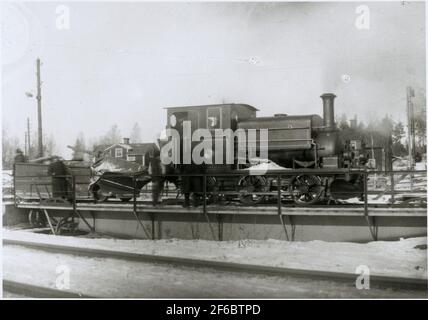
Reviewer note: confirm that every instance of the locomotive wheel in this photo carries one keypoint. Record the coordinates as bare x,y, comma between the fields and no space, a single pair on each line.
250,184
306,189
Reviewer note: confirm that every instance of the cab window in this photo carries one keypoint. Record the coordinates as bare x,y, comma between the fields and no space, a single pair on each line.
214,118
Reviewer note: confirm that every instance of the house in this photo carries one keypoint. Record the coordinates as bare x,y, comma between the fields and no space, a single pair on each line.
134,152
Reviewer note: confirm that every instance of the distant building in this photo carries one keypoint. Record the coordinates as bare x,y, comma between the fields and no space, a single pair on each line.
134,152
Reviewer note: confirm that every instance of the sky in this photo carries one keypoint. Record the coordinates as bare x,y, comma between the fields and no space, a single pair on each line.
121,63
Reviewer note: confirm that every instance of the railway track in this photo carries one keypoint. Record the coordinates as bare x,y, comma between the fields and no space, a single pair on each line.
376,281
34,291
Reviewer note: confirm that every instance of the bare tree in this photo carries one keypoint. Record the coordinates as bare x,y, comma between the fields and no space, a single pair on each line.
9,146
79,146
343,122
398,134
49,145
112,136
135,135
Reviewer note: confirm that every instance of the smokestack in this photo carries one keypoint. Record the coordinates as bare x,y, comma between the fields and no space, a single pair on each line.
328,110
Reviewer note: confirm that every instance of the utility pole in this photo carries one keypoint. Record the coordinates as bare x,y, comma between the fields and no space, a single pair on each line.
39,109
411,133
26,149
410,126
28,138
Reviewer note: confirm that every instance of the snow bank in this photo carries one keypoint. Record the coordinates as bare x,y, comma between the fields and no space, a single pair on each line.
392,258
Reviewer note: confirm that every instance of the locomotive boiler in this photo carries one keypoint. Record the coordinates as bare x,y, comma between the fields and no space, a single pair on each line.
301,140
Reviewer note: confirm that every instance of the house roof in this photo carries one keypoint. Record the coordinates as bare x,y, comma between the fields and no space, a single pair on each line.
125,146
100,147
132,148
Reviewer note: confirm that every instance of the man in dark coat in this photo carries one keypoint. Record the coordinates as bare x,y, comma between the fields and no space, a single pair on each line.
155,170
19,157
192,184
59,172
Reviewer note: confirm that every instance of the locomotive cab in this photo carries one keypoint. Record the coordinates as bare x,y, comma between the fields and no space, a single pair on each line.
214,118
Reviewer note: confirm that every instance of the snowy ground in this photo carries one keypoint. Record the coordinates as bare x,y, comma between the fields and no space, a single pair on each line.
404,258
7,183
105,277
402,182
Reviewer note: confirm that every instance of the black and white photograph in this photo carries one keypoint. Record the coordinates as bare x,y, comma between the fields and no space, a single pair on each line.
212,151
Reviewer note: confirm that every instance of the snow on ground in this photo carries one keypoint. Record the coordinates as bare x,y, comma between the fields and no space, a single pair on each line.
392,258
114,278
421,166
402,182
7,182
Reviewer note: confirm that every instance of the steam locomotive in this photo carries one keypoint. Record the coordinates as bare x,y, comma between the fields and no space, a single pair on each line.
314,164
304,160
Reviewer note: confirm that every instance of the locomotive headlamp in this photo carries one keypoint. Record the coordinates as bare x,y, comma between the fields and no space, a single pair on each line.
173,120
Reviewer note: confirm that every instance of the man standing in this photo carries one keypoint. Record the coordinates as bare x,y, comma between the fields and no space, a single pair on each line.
20,157
192,184
157,180
58,171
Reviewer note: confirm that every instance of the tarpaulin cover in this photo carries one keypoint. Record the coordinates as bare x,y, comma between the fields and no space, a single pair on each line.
109,164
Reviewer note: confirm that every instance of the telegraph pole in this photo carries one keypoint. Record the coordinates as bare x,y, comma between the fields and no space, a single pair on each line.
39,109
26,148
28,138
411,126
411,133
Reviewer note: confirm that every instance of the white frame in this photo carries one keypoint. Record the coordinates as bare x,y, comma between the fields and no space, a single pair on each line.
116,153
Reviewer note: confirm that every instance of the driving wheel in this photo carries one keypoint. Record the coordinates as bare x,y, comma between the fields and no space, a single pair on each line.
248,188
306,189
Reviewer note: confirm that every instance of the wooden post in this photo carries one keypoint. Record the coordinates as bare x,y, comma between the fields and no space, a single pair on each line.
279,207
205,194
366,210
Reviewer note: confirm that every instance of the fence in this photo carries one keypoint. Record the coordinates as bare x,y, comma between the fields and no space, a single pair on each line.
395,187
387,185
